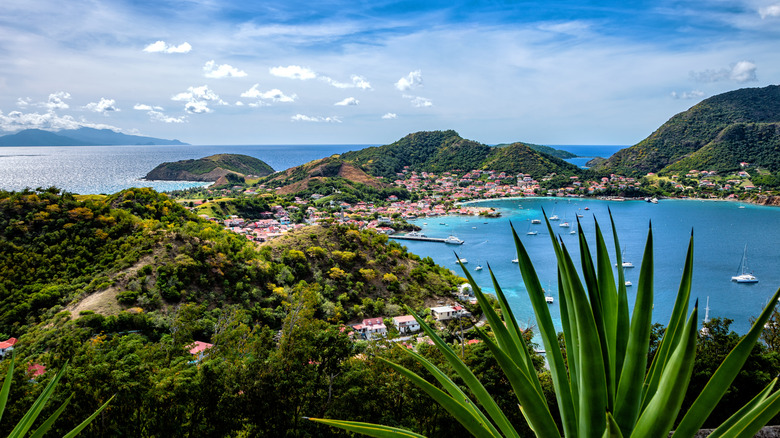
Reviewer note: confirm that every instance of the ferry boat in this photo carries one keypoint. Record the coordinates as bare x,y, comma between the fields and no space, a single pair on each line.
452,240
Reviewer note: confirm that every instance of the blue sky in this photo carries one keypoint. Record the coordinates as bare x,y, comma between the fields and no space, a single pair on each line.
343,72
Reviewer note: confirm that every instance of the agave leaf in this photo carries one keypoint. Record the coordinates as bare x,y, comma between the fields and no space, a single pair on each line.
612,430
758,399
629,395
655,419
591,374
507,331
7,384
479,391
753,421
609,303
674,329
534,405
456,408
32,414
558,370
596,304
724,375
86,422
623,323
453,390
43,428
374,430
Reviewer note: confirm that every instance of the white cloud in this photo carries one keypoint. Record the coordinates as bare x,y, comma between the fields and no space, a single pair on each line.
412,80
304,118
742,71
163,47
57,101
694,94
274,95
17,120
157,116
211,70
145,107
357,82
347,102
419,102
104,106
770,11
239,103
197,99
390,116
293,72
24,102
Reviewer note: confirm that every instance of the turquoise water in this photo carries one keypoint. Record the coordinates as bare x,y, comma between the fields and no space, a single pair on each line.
721,230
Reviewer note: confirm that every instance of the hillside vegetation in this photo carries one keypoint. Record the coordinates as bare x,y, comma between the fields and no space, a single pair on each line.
716,134
429,151
210,168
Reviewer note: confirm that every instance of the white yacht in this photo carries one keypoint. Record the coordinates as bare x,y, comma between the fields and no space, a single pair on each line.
536,221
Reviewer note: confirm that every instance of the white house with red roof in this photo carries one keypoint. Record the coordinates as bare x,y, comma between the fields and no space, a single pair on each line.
406,324
371,328
7,346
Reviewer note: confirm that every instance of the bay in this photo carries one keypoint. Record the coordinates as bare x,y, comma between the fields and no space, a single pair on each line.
722,229
109,169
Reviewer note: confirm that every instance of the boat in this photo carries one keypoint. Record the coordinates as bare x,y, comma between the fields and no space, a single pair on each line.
415,234
704,330
536,221
654,201
548,299
580,215
743,276
461,260
515,261
629,284
573,231
554,217
452,240
478,268
531,233
473,228
587,208
625,264
564,225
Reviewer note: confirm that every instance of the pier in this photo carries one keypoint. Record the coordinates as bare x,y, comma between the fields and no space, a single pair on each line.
421,239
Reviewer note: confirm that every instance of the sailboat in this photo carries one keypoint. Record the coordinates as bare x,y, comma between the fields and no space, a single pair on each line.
743,276
531,233
704,330
565,223
625,264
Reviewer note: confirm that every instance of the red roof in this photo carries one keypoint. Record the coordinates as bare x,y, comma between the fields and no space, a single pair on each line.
9,343
199,346
36,369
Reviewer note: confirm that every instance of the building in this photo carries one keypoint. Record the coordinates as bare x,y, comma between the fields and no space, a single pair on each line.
7,346
199,349
406,324
371,328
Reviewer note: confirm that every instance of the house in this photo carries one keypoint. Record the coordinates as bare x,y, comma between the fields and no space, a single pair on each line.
199,349
35,370
371,328
443,313
7,346
406,324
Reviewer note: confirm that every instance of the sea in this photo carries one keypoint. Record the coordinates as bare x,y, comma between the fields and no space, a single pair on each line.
721,229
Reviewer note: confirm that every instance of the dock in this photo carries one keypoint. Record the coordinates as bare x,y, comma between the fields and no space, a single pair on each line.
420,239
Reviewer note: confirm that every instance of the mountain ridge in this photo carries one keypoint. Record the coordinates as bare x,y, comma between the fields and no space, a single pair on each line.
81,137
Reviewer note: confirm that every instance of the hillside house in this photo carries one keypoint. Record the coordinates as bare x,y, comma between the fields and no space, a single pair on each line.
7,346
371,328
406,324
199,349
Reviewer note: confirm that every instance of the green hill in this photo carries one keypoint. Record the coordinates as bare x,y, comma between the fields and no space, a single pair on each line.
716,134
559,153
441,151
210,168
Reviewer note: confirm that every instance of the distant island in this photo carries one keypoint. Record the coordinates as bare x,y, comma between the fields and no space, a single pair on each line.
80,137
212,168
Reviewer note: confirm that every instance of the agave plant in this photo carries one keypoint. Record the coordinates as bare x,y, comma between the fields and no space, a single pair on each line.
603,387
32,414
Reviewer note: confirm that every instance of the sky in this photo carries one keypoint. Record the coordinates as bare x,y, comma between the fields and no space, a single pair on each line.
370,72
